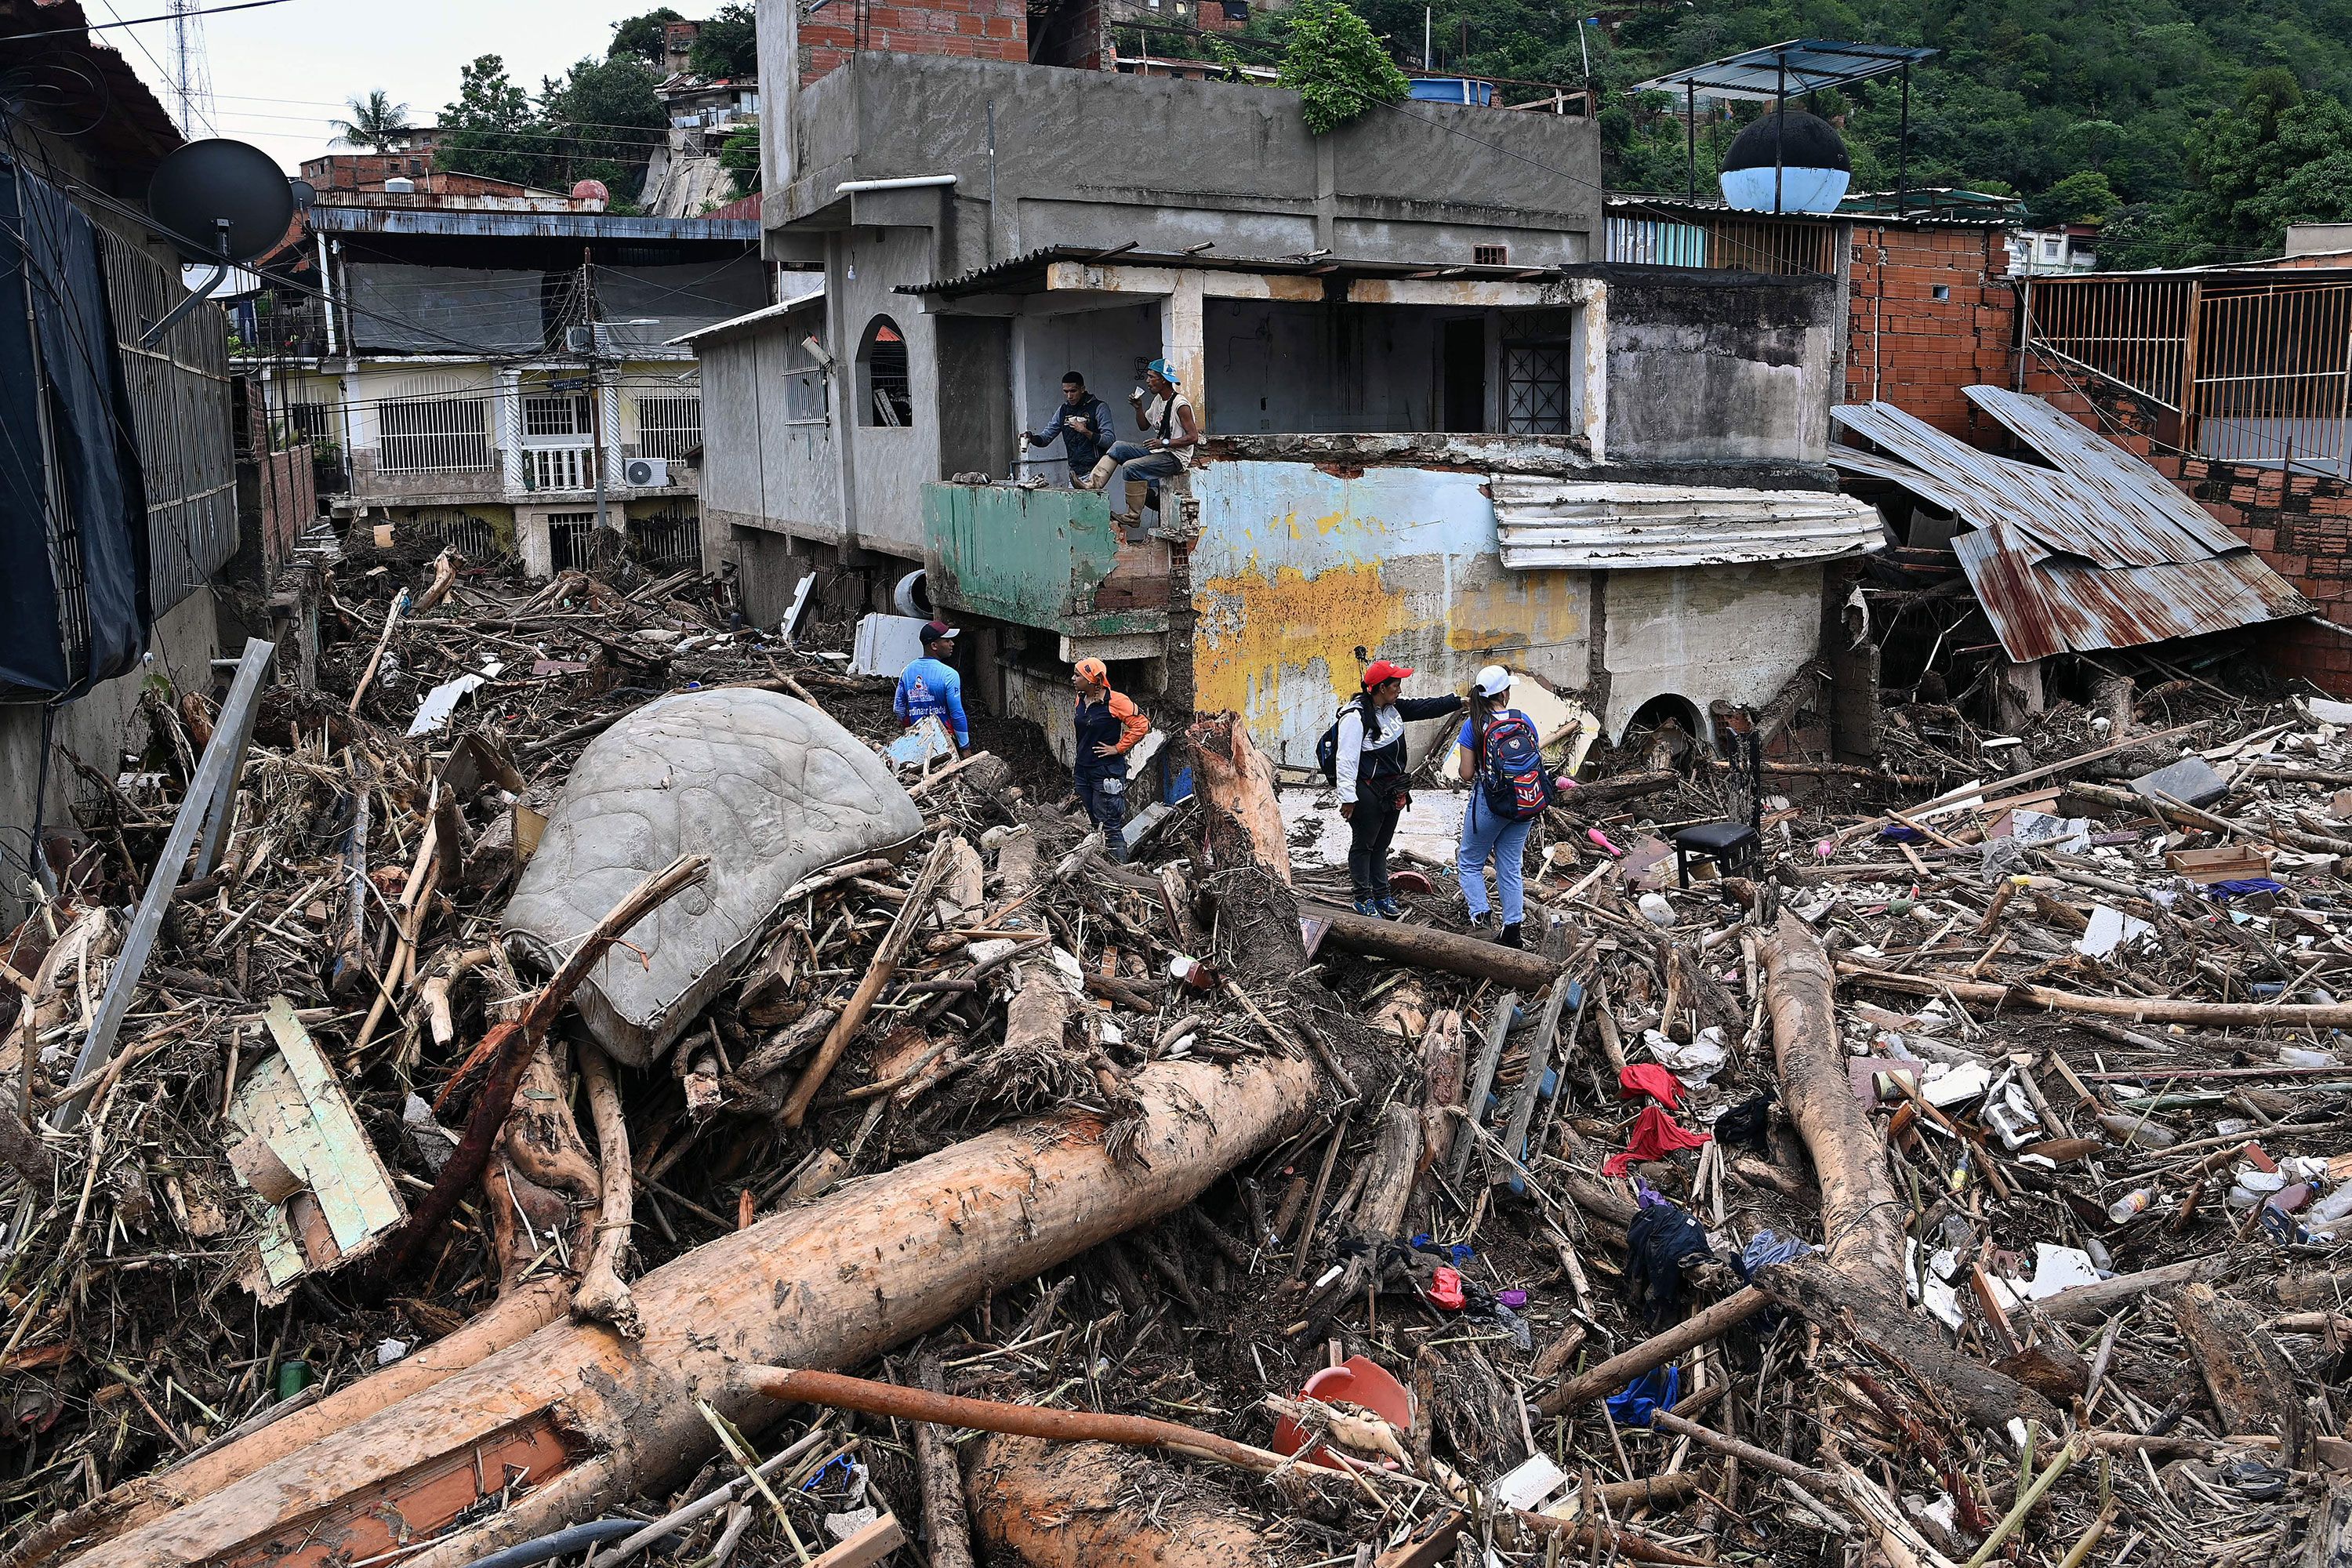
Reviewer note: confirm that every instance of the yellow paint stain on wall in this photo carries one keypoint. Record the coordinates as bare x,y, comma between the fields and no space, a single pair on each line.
1517,610
1252,629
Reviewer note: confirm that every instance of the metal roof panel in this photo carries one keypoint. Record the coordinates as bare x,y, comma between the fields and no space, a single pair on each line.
1546,523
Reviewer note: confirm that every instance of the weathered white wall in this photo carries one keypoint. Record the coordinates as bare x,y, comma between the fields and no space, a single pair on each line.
1297,569
1734,634
761,469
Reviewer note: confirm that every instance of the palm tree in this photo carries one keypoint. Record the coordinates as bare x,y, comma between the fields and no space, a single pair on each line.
376,123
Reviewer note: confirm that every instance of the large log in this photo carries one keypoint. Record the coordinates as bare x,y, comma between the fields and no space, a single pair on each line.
1073,1505
515,1318
2140,1009
1436,948
1857,1283
588,1417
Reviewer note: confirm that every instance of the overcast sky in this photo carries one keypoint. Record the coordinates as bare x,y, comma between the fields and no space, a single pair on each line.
280,73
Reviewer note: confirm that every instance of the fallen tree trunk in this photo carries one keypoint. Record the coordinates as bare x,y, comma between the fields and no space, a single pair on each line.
1609,1377
2092,1303
601,1297
1857,1281
1070,1505
2145,1009
588,1417
1528,972
515,1318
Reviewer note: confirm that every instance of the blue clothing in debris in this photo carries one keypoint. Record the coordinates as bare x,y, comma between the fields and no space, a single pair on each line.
2245,886
1766,1247
1654,1391
928,689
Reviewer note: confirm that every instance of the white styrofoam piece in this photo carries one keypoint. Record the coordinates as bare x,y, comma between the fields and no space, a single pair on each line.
886,644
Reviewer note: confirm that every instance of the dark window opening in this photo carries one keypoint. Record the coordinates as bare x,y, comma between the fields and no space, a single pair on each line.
1942,291
1464,373
1536,400
1490,255
885,393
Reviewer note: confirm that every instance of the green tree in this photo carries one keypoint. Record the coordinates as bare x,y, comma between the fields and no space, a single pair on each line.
491,130
376,123
606,119
728,44
2084,197
739,156
1337,65
641,36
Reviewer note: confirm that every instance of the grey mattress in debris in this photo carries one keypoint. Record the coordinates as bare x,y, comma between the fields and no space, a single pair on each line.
767,787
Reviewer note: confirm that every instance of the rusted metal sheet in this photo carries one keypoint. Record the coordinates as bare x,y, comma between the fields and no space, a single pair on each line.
326,219
1551,523
2098,551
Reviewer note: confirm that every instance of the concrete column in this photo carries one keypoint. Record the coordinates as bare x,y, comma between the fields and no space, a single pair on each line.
1593,394
534,543
506,429
1183,346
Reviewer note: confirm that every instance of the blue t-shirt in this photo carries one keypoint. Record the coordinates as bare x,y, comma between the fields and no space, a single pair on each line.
1468,738
926,688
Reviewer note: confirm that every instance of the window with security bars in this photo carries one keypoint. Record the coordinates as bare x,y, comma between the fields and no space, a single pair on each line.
803,382
432,435
1536,389
668,426
573,540
310,422
558,413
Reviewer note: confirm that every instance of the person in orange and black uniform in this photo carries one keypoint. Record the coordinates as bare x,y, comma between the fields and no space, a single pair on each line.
1108,726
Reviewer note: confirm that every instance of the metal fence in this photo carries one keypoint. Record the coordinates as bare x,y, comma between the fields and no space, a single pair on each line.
1698,236
180,406
434,434
2256,369
668,426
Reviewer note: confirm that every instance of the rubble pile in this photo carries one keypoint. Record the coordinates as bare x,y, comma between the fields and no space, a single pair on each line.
1958,1177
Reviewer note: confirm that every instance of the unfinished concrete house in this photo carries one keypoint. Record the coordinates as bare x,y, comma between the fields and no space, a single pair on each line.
1444,427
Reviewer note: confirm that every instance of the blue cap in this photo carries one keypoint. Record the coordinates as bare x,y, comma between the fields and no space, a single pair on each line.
1159,368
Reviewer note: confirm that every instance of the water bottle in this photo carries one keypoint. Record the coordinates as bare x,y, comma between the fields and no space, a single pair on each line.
2130,1204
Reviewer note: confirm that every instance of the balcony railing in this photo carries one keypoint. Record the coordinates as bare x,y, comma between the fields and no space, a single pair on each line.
1045,558
559,467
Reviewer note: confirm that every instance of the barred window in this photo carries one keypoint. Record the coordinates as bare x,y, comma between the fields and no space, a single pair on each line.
668,426
429,434
311,421
558,413
803,382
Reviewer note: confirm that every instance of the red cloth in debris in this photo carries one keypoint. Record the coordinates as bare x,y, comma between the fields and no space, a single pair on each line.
1656,1136
1446,1290
1653,1080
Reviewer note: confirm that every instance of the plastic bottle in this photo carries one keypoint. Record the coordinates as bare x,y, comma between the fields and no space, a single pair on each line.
2304,1057
2334,1206
2130,1204
2140,1132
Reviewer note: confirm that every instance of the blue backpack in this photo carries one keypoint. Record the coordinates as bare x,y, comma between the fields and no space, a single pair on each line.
1511,772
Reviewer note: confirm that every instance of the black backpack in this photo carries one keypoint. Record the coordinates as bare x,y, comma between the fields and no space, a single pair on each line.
1327,750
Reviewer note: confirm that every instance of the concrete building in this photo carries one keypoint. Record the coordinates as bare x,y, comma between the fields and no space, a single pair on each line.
2069,247
106,588
494,367
1446,427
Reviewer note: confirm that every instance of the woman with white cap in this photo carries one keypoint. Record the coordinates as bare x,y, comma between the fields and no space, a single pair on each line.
1502,760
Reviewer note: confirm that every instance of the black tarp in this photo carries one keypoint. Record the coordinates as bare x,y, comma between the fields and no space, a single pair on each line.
445,309
641,307
73,527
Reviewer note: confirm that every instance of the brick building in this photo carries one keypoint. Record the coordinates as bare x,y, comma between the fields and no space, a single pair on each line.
1932,311
960,29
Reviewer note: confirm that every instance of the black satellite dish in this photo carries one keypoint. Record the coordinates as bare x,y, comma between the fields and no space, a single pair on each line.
220,200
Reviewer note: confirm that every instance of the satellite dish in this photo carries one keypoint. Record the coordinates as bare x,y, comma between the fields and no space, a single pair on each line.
221,200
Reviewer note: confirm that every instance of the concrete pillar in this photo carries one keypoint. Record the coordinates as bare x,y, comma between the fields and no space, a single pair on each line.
534,543
506,428
1593,394
1182,343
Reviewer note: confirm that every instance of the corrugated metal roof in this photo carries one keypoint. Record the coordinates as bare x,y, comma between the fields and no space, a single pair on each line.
1792,68
528,226
749,319
2100,551
997,273
1548,522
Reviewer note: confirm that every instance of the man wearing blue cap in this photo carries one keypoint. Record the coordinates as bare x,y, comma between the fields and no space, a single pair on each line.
1172,432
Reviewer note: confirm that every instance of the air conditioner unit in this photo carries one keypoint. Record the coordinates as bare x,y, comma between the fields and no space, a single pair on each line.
646,473
580,340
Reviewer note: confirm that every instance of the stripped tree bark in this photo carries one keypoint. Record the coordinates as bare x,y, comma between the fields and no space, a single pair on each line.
1067,1506
510,1048
602,1298
1858,1279
947,1531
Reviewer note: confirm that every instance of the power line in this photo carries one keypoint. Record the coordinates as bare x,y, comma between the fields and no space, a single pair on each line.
136,21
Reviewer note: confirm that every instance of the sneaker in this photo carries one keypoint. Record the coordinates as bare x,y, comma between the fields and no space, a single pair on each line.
1510,936
1388,909
1368,908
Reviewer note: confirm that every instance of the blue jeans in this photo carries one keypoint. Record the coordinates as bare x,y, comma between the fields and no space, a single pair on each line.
1140,462
1106,804
1486,836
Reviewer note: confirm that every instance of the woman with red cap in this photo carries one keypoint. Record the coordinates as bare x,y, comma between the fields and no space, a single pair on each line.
1370,773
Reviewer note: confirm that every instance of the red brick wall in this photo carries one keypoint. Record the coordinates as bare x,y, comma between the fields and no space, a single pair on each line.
1908,348
2300,523
966,29
368,172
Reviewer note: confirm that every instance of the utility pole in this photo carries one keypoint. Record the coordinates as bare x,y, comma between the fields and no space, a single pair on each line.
595,389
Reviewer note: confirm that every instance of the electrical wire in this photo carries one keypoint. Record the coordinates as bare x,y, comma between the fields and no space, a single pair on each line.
138,21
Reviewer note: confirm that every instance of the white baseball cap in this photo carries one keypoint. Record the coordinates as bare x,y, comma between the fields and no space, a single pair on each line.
1492,680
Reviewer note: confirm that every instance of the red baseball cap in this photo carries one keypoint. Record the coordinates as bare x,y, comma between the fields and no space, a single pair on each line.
1381,669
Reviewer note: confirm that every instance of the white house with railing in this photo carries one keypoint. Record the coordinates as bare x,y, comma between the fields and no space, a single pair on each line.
503,406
